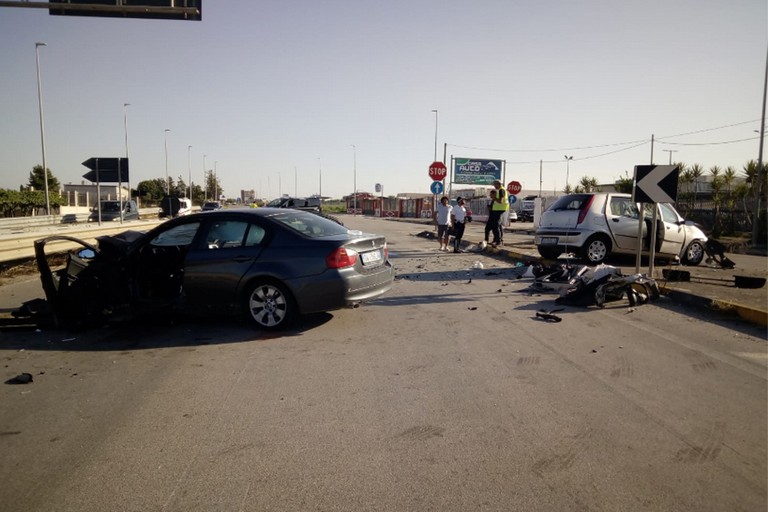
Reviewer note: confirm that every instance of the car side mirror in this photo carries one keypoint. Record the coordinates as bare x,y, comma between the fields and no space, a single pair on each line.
86,254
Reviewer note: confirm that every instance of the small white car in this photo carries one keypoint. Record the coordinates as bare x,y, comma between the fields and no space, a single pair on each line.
595,225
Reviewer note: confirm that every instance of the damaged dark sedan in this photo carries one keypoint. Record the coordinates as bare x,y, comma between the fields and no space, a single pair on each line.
272,265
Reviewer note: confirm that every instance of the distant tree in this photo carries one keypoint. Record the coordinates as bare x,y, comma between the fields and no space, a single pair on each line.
625,184
697,171
717,196
151,191
37,180
587,184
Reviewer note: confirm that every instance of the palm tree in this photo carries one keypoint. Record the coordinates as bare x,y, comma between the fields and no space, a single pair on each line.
697,171
717,186
729,176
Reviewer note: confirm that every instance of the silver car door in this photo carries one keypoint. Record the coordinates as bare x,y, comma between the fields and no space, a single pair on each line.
621,213
673,234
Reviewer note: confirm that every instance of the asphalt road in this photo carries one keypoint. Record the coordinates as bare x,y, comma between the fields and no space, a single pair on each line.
446,394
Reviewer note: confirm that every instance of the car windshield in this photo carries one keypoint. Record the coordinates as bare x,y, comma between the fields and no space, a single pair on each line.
309,224
570,202
110,206
276,203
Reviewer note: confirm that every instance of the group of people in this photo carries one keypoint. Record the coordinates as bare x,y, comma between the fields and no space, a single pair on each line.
452,220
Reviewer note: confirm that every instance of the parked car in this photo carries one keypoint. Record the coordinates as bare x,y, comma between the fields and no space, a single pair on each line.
300,203
512,215
110,211
210,206
271,264
595,225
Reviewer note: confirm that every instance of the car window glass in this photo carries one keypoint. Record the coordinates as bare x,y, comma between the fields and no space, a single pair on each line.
177,235
225,234
309,224
255,235
623,206
668,214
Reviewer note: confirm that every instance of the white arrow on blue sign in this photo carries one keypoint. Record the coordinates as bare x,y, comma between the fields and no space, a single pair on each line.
655,183
436,187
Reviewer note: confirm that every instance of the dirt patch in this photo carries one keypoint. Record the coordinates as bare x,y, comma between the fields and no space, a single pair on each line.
22,270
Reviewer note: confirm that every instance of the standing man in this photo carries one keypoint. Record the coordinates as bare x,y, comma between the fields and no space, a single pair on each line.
499,205
458,218
443,220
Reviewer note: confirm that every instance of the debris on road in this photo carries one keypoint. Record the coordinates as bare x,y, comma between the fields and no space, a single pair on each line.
22,378
548,315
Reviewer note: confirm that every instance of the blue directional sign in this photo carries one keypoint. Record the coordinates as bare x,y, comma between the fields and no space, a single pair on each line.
436,187
512,199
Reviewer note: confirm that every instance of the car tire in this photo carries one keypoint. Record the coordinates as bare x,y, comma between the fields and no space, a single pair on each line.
269,306
596,250
549,253
694,254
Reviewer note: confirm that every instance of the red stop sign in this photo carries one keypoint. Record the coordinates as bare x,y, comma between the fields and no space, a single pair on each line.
438,171
514,187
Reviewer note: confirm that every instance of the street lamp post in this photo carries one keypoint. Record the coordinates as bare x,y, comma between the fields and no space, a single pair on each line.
205,181
215,182
354,179
42,129
670,151
167,183
320,182
125,131
567,172
435,160
189,170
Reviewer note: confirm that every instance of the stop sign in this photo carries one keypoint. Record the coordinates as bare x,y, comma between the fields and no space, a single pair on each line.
514,187
438,171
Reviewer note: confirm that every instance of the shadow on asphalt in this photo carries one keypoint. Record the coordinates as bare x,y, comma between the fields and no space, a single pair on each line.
147,334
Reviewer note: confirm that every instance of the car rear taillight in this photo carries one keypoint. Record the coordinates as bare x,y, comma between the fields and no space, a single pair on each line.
385,251
584,210
341,258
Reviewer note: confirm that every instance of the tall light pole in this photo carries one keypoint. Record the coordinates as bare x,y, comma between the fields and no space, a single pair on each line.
320,183
435,111
167,183
189,170
567,172
125,131
205,181
760,167
42,129
354,178
215,180
670,151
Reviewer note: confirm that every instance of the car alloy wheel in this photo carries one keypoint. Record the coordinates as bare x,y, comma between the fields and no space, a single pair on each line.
694,254
270,306
596,249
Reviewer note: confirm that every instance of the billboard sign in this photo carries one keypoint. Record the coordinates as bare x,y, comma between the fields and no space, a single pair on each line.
476,171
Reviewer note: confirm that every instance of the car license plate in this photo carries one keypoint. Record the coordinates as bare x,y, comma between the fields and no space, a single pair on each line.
371,257
548,240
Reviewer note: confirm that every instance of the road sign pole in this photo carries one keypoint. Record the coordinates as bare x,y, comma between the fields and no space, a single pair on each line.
652,234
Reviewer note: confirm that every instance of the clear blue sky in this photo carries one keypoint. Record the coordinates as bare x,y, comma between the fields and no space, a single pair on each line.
281,88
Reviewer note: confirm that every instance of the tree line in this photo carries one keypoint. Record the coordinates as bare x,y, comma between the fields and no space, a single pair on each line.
30,198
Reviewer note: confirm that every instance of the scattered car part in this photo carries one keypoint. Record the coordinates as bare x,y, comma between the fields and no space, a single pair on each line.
738,281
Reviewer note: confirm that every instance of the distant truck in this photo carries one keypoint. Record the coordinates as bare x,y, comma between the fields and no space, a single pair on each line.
175,206
526,209
111,210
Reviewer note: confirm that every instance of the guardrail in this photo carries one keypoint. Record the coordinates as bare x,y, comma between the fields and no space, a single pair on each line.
19,245
24,223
